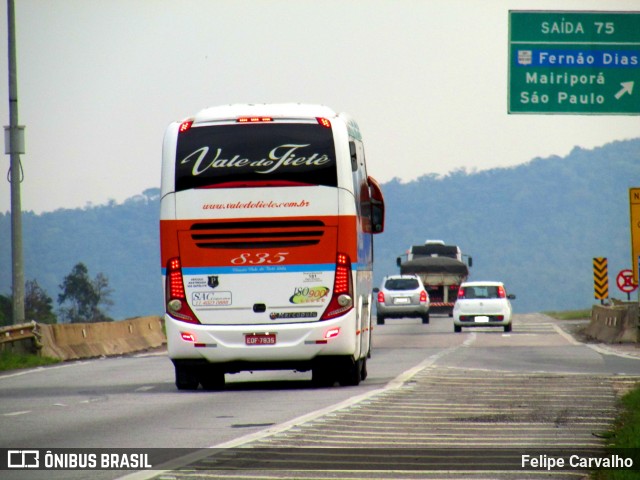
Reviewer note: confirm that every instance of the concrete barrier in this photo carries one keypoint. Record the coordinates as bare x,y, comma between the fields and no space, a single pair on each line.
614,324
72,341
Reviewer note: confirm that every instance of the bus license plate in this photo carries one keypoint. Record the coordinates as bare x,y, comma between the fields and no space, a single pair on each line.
260,339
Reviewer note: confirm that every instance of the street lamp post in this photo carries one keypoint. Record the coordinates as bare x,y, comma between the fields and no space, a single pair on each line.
14,148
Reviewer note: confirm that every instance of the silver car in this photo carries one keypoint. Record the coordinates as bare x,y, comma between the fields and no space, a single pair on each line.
402,296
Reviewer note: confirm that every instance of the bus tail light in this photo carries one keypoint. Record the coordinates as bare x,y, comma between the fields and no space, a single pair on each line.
254,119
188,337
177,306
325,122
342,298
332,333
185,126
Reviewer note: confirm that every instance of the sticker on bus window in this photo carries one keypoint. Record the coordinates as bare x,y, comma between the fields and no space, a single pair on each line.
309,294
211,299
196,282
312,277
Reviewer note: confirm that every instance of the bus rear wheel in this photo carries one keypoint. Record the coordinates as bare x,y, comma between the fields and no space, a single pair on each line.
352,372
212,379
186,377
323,376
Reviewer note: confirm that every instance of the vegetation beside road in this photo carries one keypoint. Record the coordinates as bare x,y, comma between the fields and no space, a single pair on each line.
570,314
15,361
625,434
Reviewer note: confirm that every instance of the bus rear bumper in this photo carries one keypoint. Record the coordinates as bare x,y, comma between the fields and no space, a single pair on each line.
280,345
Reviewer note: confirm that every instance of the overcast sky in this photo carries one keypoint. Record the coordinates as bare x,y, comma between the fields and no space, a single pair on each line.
99,81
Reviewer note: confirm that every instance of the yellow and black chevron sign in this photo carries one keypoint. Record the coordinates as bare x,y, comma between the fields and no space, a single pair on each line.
600,278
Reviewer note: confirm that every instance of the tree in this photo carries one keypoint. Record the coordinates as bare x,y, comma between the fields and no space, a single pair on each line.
6,310
38,305
81,297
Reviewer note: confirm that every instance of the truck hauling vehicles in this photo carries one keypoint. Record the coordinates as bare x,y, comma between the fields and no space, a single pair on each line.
441,268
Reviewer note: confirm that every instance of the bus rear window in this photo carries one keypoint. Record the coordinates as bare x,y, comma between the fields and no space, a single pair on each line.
255,154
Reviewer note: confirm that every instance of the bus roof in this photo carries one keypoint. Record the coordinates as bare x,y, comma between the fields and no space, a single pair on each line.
275,110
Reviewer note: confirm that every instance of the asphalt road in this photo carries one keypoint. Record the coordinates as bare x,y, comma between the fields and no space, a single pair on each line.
441,378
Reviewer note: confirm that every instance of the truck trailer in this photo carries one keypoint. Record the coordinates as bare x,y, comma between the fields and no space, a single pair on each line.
441,268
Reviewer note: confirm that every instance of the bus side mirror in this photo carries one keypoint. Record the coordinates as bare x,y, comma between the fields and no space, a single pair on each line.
377,206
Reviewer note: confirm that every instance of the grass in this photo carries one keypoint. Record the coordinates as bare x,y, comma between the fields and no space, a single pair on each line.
570,314
14,361
625,434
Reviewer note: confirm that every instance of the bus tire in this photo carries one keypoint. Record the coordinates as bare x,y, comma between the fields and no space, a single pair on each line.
186,377
363,371
352,373
322,376
212,379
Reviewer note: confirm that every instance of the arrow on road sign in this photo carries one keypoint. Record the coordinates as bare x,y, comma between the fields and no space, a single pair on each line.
600,278
627,87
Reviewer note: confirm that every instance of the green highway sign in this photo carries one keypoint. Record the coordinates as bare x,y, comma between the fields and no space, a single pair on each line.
577,63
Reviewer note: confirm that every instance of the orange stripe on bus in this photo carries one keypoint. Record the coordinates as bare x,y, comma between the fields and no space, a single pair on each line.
177,239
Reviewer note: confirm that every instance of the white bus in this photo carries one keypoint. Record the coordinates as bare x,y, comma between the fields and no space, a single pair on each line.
267,216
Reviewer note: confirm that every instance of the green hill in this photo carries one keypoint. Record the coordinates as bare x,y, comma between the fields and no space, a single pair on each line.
536,227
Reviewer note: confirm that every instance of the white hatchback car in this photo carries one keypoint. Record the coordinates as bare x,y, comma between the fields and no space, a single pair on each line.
482,304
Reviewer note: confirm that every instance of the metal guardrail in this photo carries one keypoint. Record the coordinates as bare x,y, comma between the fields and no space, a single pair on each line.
84,340
22,331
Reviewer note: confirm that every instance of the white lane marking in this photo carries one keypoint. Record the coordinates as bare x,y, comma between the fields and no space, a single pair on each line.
40,369
144,388
604,350
565,335
397,382
601,349
15,414
162,353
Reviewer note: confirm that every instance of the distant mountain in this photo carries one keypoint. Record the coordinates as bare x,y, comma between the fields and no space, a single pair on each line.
119,240
536,227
